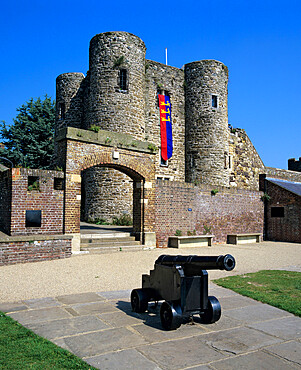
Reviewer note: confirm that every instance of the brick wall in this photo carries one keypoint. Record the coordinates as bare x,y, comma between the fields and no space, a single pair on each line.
20,251
5,201
287,228
45,199
187,207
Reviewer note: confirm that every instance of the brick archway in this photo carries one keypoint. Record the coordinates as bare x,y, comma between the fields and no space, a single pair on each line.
136,164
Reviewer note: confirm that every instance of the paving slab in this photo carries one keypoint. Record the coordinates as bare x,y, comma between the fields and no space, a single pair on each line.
181,353
238,340
287,328
102,329
289,350
252,361
92,344
155,334
119,319
93,308
127,360
118,294
79,298
67,327
42,302
237,301
43,314
13,307
256,313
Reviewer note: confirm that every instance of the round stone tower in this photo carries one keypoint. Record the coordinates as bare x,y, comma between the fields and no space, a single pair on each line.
115,100
207,134
69,105
69,100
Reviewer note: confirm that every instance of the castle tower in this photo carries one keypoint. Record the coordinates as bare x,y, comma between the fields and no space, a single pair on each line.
69,100
69,105
115,100
207,134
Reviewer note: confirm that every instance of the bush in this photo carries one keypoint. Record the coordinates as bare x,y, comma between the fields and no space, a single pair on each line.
123,220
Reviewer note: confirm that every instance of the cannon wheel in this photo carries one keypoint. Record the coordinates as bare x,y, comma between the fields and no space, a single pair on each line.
213,312
139,300
171,316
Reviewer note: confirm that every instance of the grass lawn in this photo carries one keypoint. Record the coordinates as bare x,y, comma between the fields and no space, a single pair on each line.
277,288
20,348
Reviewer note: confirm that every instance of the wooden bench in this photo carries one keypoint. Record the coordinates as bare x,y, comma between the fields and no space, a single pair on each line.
244,238
190,241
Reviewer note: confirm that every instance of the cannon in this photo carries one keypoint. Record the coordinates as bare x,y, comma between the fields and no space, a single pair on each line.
182,283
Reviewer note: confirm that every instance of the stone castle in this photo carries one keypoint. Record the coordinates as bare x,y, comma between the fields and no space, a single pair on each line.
119,94
107,143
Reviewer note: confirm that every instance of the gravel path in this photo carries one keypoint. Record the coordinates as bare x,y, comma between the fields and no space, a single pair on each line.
123,270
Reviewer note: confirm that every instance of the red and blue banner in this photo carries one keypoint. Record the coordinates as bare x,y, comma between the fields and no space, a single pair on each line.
165,125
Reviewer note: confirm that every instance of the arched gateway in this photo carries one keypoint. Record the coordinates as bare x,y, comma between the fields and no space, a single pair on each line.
80,149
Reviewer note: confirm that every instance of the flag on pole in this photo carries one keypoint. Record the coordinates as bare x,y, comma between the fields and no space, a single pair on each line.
165,125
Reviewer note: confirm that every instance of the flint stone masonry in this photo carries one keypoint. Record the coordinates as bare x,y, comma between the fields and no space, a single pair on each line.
207,135
245,165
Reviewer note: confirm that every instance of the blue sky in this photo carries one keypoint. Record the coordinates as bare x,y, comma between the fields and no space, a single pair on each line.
259,41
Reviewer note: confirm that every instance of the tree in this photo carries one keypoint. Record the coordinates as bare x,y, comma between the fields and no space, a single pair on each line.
29,141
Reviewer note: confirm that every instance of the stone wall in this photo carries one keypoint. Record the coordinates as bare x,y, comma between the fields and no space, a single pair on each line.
207,134
294,165
41,196
106,193
277,173
245,165
187,208
288,227
106,104
170,81
33,249
5,201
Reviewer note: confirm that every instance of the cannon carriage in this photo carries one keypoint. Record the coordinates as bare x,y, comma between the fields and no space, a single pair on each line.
182,283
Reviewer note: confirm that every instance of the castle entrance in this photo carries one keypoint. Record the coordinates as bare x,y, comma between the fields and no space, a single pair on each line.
83,152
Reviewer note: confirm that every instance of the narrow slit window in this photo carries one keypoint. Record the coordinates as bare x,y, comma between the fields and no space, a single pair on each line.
123,79
62,110
214,101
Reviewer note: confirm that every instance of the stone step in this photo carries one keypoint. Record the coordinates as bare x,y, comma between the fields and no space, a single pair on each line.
124,240
105,244
111,249
105,235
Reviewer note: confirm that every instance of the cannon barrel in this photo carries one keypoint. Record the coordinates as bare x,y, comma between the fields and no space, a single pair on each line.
226,262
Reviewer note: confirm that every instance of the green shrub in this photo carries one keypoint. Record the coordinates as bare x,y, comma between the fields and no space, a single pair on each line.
178,233
123,220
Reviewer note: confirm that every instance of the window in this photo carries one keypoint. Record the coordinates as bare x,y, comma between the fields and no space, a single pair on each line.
123,79
214,101
33,183
33,218
277,211
163,163
230,162
58,183
62,110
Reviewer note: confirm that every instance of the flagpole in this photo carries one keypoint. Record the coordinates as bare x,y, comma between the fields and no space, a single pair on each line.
166,55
